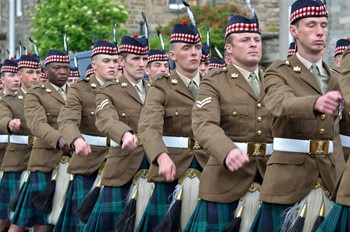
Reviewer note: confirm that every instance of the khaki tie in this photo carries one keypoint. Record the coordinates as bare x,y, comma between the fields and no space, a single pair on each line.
141,94
62,93
192,87
316,73
254,83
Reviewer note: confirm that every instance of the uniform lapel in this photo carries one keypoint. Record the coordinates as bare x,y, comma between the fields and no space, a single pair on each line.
53,92
333,81
262,92
303,73
179,85
239,80
129,89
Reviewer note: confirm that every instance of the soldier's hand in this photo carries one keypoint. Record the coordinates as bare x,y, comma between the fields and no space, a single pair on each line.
236,159
328,103
82,147
129,141
63,145
166,167
14,125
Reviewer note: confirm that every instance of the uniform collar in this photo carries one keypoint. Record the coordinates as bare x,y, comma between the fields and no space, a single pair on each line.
187,80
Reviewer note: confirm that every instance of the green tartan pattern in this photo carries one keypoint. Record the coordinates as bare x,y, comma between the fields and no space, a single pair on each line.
211,216
107,209
9,185
78,190
26,215
337,220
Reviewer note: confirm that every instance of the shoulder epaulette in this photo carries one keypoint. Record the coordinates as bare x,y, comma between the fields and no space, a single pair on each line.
110,83
279,63
86,79
215,71
162,75
38,87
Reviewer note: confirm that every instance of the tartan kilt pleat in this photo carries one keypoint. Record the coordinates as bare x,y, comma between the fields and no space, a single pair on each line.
26,215
107,209
78,190
337,220
9,185
157,206
211,216
270,218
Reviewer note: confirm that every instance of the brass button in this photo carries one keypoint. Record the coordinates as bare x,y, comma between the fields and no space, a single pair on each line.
92,112
259,119
258,105
123,114
259,132
321,131
234,113
176,113
349,113
48,114
323,116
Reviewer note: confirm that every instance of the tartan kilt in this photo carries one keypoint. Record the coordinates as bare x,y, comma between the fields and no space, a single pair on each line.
211,216
9,185
78,190
338,219
157,206
270,218
26,215
107,209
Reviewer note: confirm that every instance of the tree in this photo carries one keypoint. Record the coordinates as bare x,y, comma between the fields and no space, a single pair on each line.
215,17
84,22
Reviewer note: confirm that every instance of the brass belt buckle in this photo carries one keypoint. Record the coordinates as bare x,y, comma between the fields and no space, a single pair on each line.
257,149
193,144
31,139
319,147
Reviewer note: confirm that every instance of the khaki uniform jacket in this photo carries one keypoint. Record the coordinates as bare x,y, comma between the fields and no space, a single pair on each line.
118,111
291,92
167,112
41,109
3,146
78,117
17,155
228,111
343,194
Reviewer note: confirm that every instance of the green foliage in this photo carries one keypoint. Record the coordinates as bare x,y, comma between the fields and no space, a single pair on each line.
215,17
84,22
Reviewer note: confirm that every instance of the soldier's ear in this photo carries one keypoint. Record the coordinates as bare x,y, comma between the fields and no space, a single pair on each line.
293,31
172,55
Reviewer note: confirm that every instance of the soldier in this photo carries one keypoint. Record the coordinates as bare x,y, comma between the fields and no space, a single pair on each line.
338,217
157,63
42,106
229,106
292,49
118,108
205,59
77,124
74,76
340,47
302,94
89,72
165,127
8,123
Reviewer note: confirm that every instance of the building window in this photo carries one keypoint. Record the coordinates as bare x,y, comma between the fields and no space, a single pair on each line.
178,5
19,8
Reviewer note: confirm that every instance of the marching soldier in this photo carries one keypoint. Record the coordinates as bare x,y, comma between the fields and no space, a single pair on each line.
303,96
338,217
157,63
292,49
74,76
340,47
166,132
117,114
89,72
205,59
77,124
229,105
42,106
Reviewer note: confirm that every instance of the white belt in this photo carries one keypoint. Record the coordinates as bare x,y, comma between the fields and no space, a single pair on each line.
100,141
345,140
313,146
255,149
4,138
181,142
22,139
